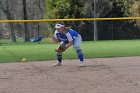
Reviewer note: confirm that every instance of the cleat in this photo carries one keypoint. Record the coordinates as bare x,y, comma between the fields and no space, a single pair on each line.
81,65
57,64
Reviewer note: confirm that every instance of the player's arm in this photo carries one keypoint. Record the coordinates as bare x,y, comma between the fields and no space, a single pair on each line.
70,39
69,44
54,39
62,48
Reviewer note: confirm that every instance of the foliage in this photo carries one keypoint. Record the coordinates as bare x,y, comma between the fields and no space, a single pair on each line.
106,8
57,8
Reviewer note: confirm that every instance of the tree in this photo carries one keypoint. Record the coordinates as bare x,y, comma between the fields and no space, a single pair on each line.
20,10
57,9
86,9
26,30
4,5
95,9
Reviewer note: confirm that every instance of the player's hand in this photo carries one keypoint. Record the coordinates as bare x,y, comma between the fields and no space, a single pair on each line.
53,39
61,48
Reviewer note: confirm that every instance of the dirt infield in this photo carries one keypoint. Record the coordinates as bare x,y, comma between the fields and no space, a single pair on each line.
101,75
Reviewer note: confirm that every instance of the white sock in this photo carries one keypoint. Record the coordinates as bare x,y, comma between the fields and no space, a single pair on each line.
81,62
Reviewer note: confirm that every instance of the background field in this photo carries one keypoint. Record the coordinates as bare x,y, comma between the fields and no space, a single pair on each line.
14,52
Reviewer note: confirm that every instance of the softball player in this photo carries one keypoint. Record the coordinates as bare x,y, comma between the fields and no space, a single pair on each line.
67,37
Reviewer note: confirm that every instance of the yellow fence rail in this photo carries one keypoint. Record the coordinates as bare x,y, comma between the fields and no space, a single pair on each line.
73,19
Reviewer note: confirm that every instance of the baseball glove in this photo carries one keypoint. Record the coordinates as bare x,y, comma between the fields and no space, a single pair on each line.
61,48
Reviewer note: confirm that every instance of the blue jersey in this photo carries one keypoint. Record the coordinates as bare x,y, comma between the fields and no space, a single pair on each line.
71,35
68,37
60,37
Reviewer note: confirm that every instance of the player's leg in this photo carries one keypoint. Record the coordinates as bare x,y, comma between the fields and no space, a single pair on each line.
59,59
59,55
78,50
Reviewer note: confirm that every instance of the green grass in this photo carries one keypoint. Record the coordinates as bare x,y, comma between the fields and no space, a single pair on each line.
118,48
14,52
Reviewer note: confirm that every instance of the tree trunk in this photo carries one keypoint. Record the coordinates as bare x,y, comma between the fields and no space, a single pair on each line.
26,30
12,32
9,17
6,10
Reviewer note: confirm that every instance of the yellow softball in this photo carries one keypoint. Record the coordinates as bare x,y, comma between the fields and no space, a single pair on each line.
24,60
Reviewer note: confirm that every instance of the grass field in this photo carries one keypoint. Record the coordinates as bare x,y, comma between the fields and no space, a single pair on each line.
14,52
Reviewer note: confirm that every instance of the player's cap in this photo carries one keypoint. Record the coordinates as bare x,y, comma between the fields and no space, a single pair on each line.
59,25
